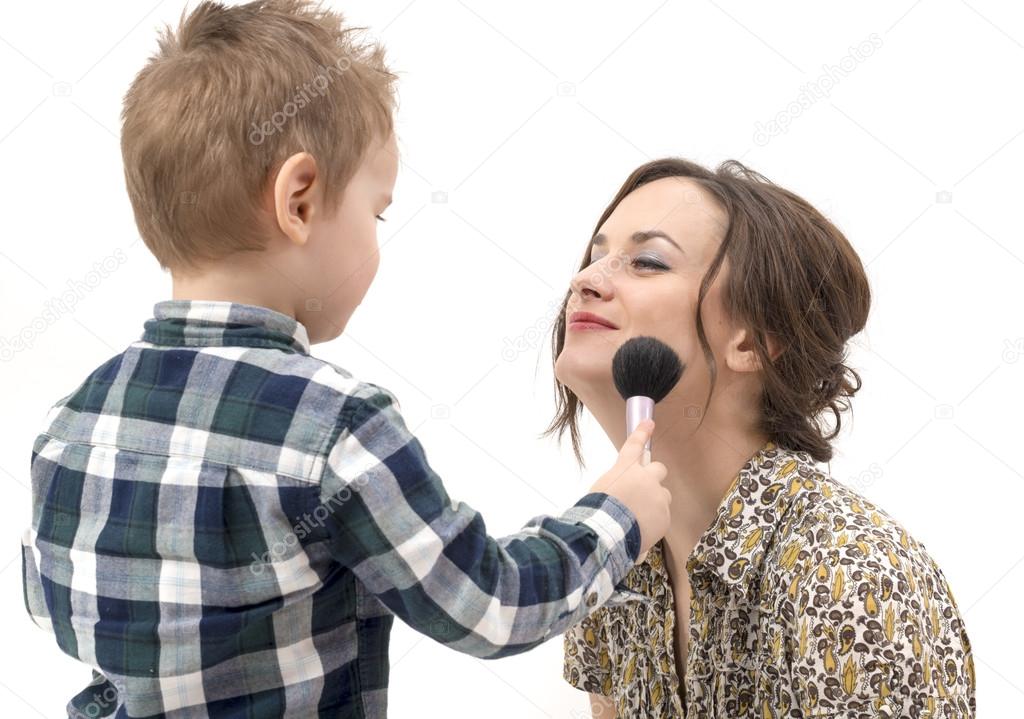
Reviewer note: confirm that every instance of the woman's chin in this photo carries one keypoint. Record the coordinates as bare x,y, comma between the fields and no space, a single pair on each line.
576,372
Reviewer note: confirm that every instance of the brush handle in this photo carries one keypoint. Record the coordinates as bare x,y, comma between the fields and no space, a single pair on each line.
637,410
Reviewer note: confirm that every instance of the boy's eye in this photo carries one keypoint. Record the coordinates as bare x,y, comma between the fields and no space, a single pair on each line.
382,219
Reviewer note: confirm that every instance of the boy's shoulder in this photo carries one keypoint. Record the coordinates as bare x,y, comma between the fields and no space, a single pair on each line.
226,404
357,395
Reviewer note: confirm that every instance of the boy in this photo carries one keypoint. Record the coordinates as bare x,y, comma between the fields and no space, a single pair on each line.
223,525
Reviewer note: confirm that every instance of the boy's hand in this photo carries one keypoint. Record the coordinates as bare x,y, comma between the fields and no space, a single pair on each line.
639,487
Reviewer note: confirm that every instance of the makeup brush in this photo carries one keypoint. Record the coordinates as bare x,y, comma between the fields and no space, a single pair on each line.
645,370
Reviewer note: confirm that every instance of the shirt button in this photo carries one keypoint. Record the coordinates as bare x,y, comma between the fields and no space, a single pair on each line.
592,599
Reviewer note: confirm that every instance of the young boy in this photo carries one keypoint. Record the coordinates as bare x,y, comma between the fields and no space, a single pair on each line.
223,525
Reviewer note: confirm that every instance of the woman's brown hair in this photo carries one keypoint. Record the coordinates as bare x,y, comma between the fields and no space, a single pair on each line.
793,275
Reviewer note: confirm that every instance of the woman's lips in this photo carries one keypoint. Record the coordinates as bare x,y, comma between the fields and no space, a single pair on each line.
589,321
586,325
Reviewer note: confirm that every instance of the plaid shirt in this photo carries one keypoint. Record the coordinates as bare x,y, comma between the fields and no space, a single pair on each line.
225,526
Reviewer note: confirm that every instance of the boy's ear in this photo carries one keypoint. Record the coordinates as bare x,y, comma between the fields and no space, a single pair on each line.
294,196
740,354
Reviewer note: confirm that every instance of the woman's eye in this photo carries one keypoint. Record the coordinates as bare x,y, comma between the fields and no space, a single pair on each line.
382,219
643,263
649,263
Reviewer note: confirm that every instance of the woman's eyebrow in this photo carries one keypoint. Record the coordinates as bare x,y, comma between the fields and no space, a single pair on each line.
637,237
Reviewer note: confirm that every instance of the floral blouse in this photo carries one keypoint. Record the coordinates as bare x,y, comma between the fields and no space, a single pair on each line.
806,600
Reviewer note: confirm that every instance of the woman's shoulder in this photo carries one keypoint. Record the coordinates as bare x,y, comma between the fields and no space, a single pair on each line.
848,539
864,605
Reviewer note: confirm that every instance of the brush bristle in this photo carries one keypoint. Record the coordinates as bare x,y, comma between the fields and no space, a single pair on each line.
646,367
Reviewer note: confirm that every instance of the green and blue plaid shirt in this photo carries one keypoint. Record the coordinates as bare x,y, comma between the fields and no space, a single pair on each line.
225,526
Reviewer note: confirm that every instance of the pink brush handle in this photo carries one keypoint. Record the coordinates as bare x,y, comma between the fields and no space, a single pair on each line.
637,410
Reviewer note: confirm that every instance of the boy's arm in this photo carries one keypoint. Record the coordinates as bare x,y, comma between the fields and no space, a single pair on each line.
430,560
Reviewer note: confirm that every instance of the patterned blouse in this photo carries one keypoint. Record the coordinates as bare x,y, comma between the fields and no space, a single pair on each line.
806,600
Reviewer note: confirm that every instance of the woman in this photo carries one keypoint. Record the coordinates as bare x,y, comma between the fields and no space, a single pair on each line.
777,592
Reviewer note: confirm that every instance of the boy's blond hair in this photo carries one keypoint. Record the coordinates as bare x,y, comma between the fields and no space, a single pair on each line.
227,98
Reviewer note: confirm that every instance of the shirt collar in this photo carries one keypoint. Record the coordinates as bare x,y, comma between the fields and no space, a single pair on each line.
219,323
753,509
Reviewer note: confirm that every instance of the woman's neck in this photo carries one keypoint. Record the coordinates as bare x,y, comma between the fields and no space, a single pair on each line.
702,461
701,469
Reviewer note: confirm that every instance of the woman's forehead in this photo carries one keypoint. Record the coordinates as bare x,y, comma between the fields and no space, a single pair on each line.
677,206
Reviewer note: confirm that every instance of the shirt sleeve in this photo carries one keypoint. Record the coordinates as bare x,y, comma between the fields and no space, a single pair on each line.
430,560
587,659
35,602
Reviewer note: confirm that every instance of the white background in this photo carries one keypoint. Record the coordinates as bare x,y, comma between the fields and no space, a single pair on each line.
526,169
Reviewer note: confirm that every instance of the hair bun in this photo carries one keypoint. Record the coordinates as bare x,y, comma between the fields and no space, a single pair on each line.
835,387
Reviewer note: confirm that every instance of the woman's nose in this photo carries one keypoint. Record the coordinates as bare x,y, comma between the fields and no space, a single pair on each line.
593,281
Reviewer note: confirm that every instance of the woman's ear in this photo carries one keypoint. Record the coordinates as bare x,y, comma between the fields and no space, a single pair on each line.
740,355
